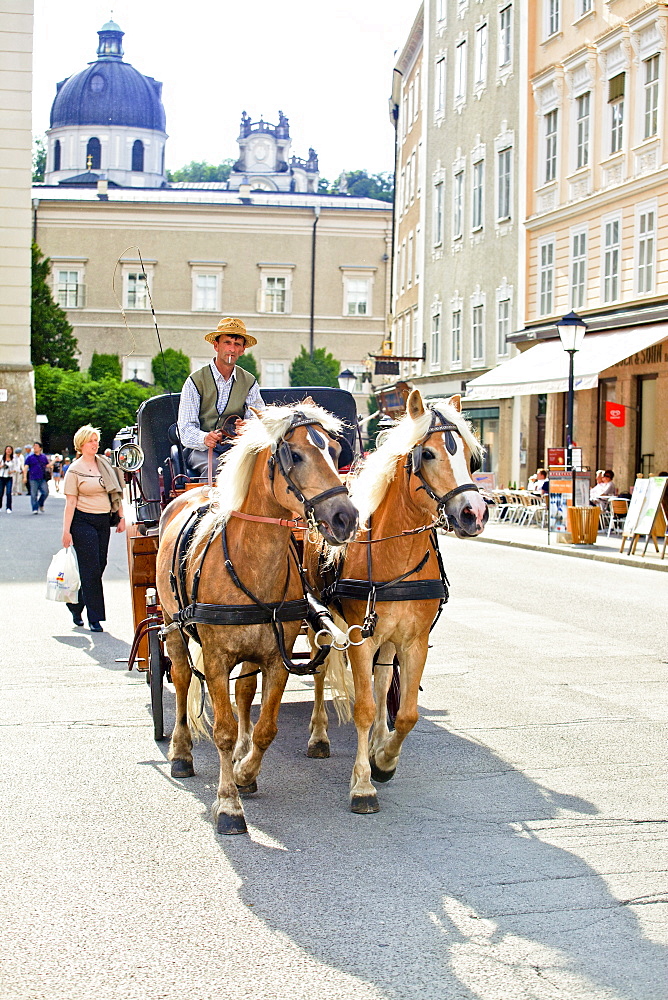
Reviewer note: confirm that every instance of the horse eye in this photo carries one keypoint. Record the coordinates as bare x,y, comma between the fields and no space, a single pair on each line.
427,454
296,457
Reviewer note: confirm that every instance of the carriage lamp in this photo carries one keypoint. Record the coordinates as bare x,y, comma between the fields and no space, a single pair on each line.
347,380
571,329
129,457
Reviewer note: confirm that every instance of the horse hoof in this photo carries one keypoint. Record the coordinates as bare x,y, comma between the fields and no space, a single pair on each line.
364,804
182,769
319,750
229,825
247,789
379,775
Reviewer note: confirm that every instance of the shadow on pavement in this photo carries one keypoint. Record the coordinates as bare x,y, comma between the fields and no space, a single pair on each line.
451,891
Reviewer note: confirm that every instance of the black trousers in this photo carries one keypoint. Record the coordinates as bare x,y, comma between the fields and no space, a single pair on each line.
90,537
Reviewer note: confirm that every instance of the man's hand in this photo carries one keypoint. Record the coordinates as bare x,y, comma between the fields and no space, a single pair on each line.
213,438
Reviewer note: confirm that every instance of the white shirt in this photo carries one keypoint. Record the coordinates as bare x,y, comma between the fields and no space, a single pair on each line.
192,436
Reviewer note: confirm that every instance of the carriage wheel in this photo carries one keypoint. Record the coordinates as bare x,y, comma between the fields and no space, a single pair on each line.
155,675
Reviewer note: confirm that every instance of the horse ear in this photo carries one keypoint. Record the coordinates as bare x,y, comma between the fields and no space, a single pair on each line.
258,413
456,403
415,406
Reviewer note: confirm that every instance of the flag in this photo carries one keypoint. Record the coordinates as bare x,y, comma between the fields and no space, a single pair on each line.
615,414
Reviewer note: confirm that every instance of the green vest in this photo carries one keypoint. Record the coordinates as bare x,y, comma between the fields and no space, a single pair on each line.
209,418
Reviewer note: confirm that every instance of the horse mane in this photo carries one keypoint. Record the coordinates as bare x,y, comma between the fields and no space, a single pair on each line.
238,462
370,486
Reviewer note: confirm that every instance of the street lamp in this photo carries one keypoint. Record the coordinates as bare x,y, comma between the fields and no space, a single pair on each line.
571,333
347,380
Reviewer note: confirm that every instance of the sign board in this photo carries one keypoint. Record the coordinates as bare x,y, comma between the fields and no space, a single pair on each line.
386,368
651,504
635,506
556,458
561,491
615,414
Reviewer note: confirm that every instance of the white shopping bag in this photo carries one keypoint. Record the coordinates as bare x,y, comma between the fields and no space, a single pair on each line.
62,579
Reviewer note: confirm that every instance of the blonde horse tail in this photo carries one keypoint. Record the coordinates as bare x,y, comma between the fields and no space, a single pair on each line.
339,679
199,717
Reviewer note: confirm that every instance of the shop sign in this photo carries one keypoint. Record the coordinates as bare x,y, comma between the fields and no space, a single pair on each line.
650,356
615,414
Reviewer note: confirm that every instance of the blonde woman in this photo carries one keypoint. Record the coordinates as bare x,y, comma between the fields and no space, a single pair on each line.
93,502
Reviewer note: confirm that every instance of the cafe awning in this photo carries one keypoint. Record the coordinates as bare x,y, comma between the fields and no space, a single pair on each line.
544,367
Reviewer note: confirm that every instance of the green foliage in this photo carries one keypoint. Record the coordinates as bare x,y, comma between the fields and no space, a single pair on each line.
372,426
51,339
70,399
104,365
248,363
38,159
360,184
202,171
321,369
170,369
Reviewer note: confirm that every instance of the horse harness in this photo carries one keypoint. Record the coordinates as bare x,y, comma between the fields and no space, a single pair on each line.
192,613
414,465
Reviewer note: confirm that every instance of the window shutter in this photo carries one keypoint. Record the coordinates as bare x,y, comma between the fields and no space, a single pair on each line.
616,87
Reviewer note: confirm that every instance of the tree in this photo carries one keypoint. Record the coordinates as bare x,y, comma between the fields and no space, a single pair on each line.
248,363
102,365
170,369
372,425
51,339
360,184
38,159
321,369
202,171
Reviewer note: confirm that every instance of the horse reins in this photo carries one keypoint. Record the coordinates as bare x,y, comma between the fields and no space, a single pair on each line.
414,466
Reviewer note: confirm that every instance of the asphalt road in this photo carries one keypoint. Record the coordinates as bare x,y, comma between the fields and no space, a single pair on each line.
520,851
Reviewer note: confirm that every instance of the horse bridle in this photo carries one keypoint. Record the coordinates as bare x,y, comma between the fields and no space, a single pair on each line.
414,464
283,459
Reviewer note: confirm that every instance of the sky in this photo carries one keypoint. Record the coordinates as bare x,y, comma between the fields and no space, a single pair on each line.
329,69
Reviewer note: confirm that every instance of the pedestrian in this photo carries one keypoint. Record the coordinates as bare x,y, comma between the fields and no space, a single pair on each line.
19,462
93,505
7,470
66,464
57,470
34,473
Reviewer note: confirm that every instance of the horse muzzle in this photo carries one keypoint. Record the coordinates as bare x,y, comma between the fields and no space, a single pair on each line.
468,514
337,520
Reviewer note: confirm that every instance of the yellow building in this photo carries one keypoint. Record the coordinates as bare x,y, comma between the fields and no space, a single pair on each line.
596,231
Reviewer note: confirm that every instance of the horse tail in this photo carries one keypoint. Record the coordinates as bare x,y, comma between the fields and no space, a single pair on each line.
199,715
339,679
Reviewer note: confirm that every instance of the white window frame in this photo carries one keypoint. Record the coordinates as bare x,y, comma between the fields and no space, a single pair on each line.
459,87
505,36
419,254
456,336
410,260
441,12
579,240
552,18
645,255
133,282
616,115
458,189
582,129
546,275
435,337
206,269
478,195
504,317
69,294
584,7
477,331
268,292
652,91
137,366
550,145
440,85
356,297
439,207
481,51
270,370
611,251
504,184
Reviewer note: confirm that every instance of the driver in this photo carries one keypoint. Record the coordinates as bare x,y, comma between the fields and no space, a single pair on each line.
212,394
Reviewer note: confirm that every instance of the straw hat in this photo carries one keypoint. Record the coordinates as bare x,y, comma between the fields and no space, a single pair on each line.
233,327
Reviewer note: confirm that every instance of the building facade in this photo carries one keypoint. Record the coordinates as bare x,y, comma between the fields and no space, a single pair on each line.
17,395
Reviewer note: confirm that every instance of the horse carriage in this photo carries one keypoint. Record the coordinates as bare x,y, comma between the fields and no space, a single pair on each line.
242,566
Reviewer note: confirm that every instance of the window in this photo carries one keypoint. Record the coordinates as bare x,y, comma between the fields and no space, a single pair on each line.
505,37
136,367
616,88
551,119
438,213
546,277
93,155
552,17
56,155
410,261
646,229
460,71
478,185
357,297
502,326
439,96
275,289
458,205
478,334
503,207
206,293
611,260
584,6
435,341
582,116
69,289
275,374
456,343
136,291
275,293
138,155
578,270
651,97
441,10
480,55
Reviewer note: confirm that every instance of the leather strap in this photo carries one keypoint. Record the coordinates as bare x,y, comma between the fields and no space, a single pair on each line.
296,522
242,614
408,590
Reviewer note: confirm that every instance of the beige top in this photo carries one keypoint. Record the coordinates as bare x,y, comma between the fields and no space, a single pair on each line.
92,497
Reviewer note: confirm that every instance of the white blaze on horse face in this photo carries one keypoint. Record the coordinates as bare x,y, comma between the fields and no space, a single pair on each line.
458,464
326,454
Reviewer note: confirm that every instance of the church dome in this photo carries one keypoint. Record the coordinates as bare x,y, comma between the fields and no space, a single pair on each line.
109,91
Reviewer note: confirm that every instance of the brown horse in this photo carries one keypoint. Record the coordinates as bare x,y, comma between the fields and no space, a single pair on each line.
420,472
237,567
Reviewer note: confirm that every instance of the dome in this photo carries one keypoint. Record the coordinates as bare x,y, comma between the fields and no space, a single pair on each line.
109,91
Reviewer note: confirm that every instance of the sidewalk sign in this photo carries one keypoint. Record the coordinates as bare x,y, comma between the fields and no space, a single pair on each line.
561,491
650,514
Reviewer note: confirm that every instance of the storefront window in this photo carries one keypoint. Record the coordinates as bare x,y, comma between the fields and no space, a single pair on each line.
605,452
485,423
646,445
